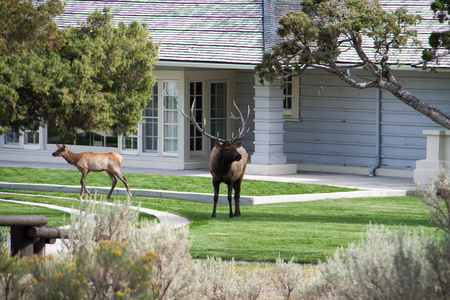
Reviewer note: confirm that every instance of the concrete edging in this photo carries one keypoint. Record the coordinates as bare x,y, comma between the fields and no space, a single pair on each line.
208,198
198,197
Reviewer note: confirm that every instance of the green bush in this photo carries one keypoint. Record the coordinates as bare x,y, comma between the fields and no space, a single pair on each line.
113,272
13,275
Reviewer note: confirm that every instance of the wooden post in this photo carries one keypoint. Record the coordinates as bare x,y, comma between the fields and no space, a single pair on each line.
21,243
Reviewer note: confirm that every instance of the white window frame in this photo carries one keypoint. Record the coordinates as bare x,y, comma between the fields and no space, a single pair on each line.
208,77
200,122
22,144
293,114
137,135
176,124
156,120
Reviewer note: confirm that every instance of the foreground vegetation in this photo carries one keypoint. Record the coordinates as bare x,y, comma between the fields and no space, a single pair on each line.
155,262
309,231
161,182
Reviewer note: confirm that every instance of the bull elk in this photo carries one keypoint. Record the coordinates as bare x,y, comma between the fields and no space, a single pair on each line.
227,162
95,162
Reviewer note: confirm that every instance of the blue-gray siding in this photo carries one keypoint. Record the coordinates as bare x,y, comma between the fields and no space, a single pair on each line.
245,93
338,122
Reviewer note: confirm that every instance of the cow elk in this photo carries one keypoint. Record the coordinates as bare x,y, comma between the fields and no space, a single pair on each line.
95,162
227,162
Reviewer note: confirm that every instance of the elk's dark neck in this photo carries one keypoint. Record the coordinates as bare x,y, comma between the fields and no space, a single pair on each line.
222,165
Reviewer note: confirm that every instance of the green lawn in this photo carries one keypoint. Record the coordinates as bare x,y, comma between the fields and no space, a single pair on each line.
310,231
161,182
55,218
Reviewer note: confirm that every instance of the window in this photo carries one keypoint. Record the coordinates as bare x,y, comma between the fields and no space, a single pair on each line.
150,116
101,138
27,139
130,142
218,107
287,93
291,101
12,137
170,122
195,136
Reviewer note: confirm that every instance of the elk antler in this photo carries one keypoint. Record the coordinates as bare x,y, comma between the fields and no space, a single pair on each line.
202,130
242,132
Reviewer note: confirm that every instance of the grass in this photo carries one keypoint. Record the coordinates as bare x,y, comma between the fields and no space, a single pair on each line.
309,231
55,218
161,182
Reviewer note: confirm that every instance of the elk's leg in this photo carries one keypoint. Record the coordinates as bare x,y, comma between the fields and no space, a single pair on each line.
83,185
216,186
114,182
125,182
230,199
237,196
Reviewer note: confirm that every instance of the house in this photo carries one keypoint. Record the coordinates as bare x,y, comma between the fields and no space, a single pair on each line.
208,51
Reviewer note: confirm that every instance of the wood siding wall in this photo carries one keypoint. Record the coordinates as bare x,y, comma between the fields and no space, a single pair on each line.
338,122
245,93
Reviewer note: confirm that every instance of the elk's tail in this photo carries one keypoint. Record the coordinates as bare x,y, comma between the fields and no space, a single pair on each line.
118,156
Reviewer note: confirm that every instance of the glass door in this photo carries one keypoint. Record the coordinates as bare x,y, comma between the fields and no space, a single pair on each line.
218,95
170,118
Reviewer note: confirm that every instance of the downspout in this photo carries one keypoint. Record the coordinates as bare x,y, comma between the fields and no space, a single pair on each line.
378,134
377,124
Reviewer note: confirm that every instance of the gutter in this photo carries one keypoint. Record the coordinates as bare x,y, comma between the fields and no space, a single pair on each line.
206,65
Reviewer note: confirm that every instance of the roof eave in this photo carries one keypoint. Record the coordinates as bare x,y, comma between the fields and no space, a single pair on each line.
204,65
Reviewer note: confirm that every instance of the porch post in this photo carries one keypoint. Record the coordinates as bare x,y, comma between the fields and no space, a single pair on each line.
268,157
437,157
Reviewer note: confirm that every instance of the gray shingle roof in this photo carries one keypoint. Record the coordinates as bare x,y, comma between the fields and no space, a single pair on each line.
230,31
218,31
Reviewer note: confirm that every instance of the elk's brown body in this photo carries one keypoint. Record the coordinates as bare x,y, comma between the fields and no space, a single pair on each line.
227,163
86,162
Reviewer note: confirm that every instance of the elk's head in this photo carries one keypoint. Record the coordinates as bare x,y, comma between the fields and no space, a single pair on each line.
61,149
227,148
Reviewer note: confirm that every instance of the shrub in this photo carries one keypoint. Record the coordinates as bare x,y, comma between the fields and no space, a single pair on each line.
107,257
112,272
221,281
387,265
437,199
13,279
99,221
176,274
288,277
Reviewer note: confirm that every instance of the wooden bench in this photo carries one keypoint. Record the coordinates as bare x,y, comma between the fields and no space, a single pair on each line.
28,234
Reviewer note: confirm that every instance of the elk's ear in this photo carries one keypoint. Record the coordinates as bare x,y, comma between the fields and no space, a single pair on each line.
64,146
58,145
238,145
218,145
